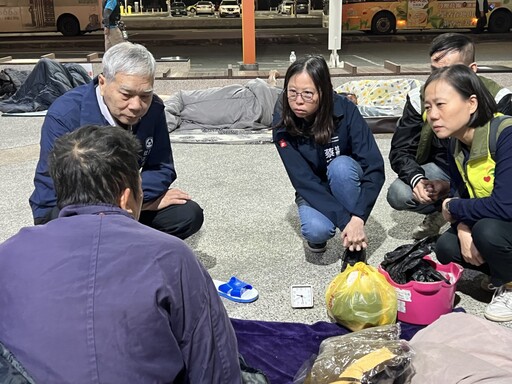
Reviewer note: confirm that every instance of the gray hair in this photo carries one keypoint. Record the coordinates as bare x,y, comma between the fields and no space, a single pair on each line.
130,59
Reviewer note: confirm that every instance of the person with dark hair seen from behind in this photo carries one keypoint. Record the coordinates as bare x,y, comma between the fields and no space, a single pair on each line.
458,106
122,95
416,154
331,158
111,18
107,299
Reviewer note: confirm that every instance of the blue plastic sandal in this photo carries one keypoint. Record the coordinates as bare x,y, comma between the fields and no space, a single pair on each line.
236,290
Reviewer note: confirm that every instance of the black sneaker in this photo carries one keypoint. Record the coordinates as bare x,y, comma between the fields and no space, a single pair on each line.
317,247
352,257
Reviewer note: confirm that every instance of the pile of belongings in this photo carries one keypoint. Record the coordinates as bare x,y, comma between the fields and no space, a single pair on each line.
373,355
406,263
10,81
38,90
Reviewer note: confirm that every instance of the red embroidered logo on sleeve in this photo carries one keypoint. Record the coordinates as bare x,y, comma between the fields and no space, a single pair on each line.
282,143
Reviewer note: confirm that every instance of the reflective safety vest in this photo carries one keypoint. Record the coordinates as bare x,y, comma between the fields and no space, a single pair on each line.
478,171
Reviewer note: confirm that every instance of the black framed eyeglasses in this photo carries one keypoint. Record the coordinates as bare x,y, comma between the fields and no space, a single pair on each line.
307,96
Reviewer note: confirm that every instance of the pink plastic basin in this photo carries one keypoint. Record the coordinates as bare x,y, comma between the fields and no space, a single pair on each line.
423,303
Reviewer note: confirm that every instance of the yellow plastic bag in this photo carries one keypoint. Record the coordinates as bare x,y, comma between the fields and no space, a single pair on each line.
360,297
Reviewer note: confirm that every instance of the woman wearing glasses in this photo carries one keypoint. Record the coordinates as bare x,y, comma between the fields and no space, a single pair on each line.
330,156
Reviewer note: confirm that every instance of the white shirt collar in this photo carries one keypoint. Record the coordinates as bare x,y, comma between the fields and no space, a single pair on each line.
104,109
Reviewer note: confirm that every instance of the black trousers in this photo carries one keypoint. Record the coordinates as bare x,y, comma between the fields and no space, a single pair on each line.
492,238
180,220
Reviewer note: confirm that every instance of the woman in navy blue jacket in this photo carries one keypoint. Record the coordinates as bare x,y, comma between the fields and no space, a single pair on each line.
330,155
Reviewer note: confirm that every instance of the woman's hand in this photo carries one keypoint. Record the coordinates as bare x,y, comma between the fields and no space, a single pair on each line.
467,246
353,235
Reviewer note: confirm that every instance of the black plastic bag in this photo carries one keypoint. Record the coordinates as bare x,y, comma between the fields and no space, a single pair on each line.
406,263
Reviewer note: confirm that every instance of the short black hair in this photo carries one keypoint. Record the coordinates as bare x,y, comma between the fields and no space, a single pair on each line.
467,83
94,165
454,42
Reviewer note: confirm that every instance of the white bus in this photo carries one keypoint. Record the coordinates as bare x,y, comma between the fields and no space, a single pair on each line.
387,16
69,17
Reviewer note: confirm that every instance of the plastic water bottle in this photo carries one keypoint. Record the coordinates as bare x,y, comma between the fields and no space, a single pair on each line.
292,57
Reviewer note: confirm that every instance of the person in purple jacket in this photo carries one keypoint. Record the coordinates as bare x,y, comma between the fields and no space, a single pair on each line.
96,297
331,157
122,96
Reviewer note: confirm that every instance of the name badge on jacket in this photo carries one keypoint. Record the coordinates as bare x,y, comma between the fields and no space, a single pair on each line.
332,150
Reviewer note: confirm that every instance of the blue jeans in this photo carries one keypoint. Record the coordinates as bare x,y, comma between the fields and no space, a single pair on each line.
344,177
400,195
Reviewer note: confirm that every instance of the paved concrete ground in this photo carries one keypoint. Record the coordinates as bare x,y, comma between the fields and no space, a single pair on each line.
251,226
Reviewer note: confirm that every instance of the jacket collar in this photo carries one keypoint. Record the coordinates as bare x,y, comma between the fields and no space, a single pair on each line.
479,146
92,209
338,109
90,112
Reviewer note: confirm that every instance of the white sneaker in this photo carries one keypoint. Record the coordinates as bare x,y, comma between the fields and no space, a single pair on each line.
430,226
500,308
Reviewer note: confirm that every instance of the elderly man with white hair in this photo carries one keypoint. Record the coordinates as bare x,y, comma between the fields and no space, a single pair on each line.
122,96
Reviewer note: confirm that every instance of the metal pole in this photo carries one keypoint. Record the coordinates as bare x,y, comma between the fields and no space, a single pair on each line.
334,42
248,37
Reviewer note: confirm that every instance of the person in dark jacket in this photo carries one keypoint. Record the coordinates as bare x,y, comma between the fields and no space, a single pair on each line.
458,106
111,18
416,154
96,297
330,155
122,95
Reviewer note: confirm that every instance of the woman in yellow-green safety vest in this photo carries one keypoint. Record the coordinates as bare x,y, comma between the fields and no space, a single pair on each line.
459,107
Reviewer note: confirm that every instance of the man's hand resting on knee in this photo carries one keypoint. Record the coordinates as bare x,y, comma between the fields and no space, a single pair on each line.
171,197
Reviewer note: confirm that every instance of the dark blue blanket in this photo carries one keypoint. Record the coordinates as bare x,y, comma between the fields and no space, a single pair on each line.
279,349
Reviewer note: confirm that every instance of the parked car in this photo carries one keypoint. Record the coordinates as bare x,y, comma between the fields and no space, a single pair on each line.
229,8
191,8
178,8
202,8
303,7
285,7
